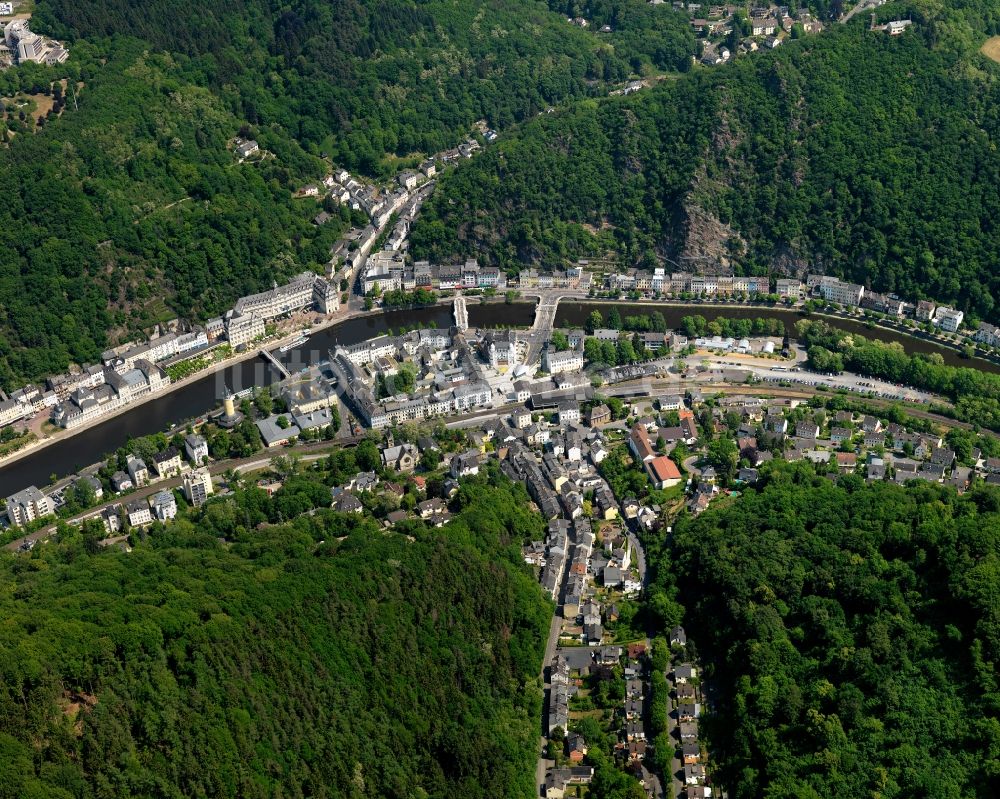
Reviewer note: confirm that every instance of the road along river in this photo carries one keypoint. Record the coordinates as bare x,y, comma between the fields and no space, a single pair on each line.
197,397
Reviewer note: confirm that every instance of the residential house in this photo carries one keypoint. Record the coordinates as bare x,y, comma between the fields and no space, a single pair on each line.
576,747
363,481
521,419
196,448
874,440
941,456
635,731
164,505
94,483
838,435
694,774
807,429
686,692
138,513
871,424
569,412
685,672
466,464
346,502
167,463
111,519
120,481
137,470
925,311
846,461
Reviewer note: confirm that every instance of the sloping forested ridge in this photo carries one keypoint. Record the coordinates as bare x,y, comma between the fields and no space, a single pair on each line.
277,665
852,633
369,77
852,152
129,209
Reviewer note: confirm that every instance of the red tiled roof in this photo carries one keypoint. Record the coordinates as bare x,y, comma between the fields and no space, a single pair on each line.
663,469
640,442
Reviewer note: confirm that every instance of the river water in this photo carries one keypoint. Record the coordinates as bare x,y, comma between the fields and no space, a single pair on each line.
201,396
575,314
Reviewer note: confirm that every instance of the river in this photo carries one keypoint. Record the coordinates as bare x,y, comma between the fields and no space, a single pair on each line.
196,398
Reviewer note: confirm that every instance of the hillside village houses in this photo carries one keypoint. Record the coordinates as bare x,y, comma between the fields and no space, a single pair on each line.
30,504
388,270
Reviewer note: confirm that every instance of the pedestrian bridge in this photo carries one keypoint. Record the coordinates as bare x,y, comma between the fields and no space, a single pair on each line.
278,365
461,314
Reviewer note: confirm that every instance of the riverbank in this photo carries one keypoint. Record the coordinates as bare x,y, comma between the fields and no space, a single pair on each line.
197,394
235,359
574,310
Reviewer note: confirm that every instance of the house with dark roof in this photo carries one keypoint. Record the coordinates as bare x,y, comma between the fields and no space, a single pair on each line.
168,462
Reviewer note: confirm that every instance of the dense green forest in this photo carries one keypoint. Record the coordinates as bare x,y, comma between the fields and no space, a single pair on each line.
129,209
228,655
366,78
850,633
853,152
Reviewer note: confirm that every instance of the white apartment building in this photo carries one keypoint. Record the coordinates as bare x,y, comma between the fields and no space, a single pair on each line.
791,288
948,319
367,351
197,486
834,290
383,281
988,334
27,505
13,411
566,361
242,330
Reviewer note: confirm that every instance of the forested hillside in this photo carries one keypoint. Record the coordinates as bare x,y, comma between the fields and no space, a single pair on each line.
319,657
125,206
364,78
130,208
870,156
852,635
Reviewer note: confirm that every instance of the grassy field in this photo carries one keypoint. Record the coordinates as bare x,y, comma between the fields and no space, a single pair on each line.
991,48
